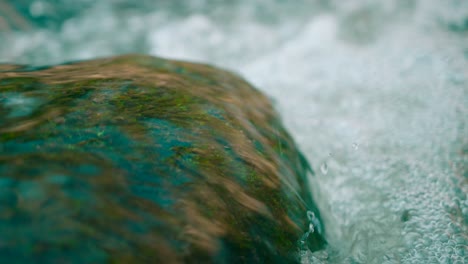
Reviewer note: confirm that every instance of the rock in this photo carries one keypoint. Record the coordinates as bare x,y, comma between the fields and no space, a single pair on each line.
136,159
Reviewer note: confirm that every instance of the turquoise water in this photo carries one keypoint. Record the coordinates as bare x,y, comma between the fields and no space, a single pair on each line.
374,92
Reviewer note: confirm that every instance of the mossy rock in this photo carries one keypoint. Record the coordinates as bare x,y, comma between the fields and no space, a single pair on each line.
136,159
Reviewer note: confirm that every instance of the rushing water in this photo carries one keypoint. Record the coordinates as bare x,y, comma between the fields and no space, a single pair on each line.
374,92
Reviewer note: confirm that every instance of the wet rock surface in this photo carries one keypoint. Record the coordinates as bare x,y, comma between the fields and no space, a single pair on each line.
140,159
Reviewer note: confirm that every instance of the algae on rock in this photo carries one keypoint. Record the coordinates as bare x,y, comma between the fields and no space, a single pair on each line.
140,159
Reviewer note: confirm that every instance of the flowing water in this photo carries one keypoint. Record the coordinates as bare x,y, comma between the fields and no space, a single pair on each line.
374,92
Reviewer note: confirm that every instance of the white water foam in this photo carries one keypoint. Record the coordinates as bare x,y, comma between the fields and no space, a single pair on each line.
375,93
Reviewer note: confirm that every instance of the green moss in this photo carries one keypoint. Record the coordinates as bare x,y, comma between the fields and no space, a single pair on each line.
150,162
19,84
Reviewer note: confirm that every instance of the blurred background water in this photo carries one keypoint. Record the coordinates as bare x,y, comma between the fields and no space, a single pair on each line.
374,92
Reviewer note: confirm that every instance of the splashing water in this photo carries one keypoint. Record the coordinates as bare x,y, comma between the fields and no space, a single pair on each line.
304,253
392,74
312,219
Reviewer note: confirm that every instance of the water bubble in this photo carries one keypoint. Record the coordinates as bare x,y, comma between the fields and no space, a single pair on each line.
324,168
355,146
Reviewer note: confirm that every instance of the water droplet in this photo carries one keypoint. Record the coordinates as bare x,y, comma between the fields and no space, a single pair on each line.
355,146
310,215
324,168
